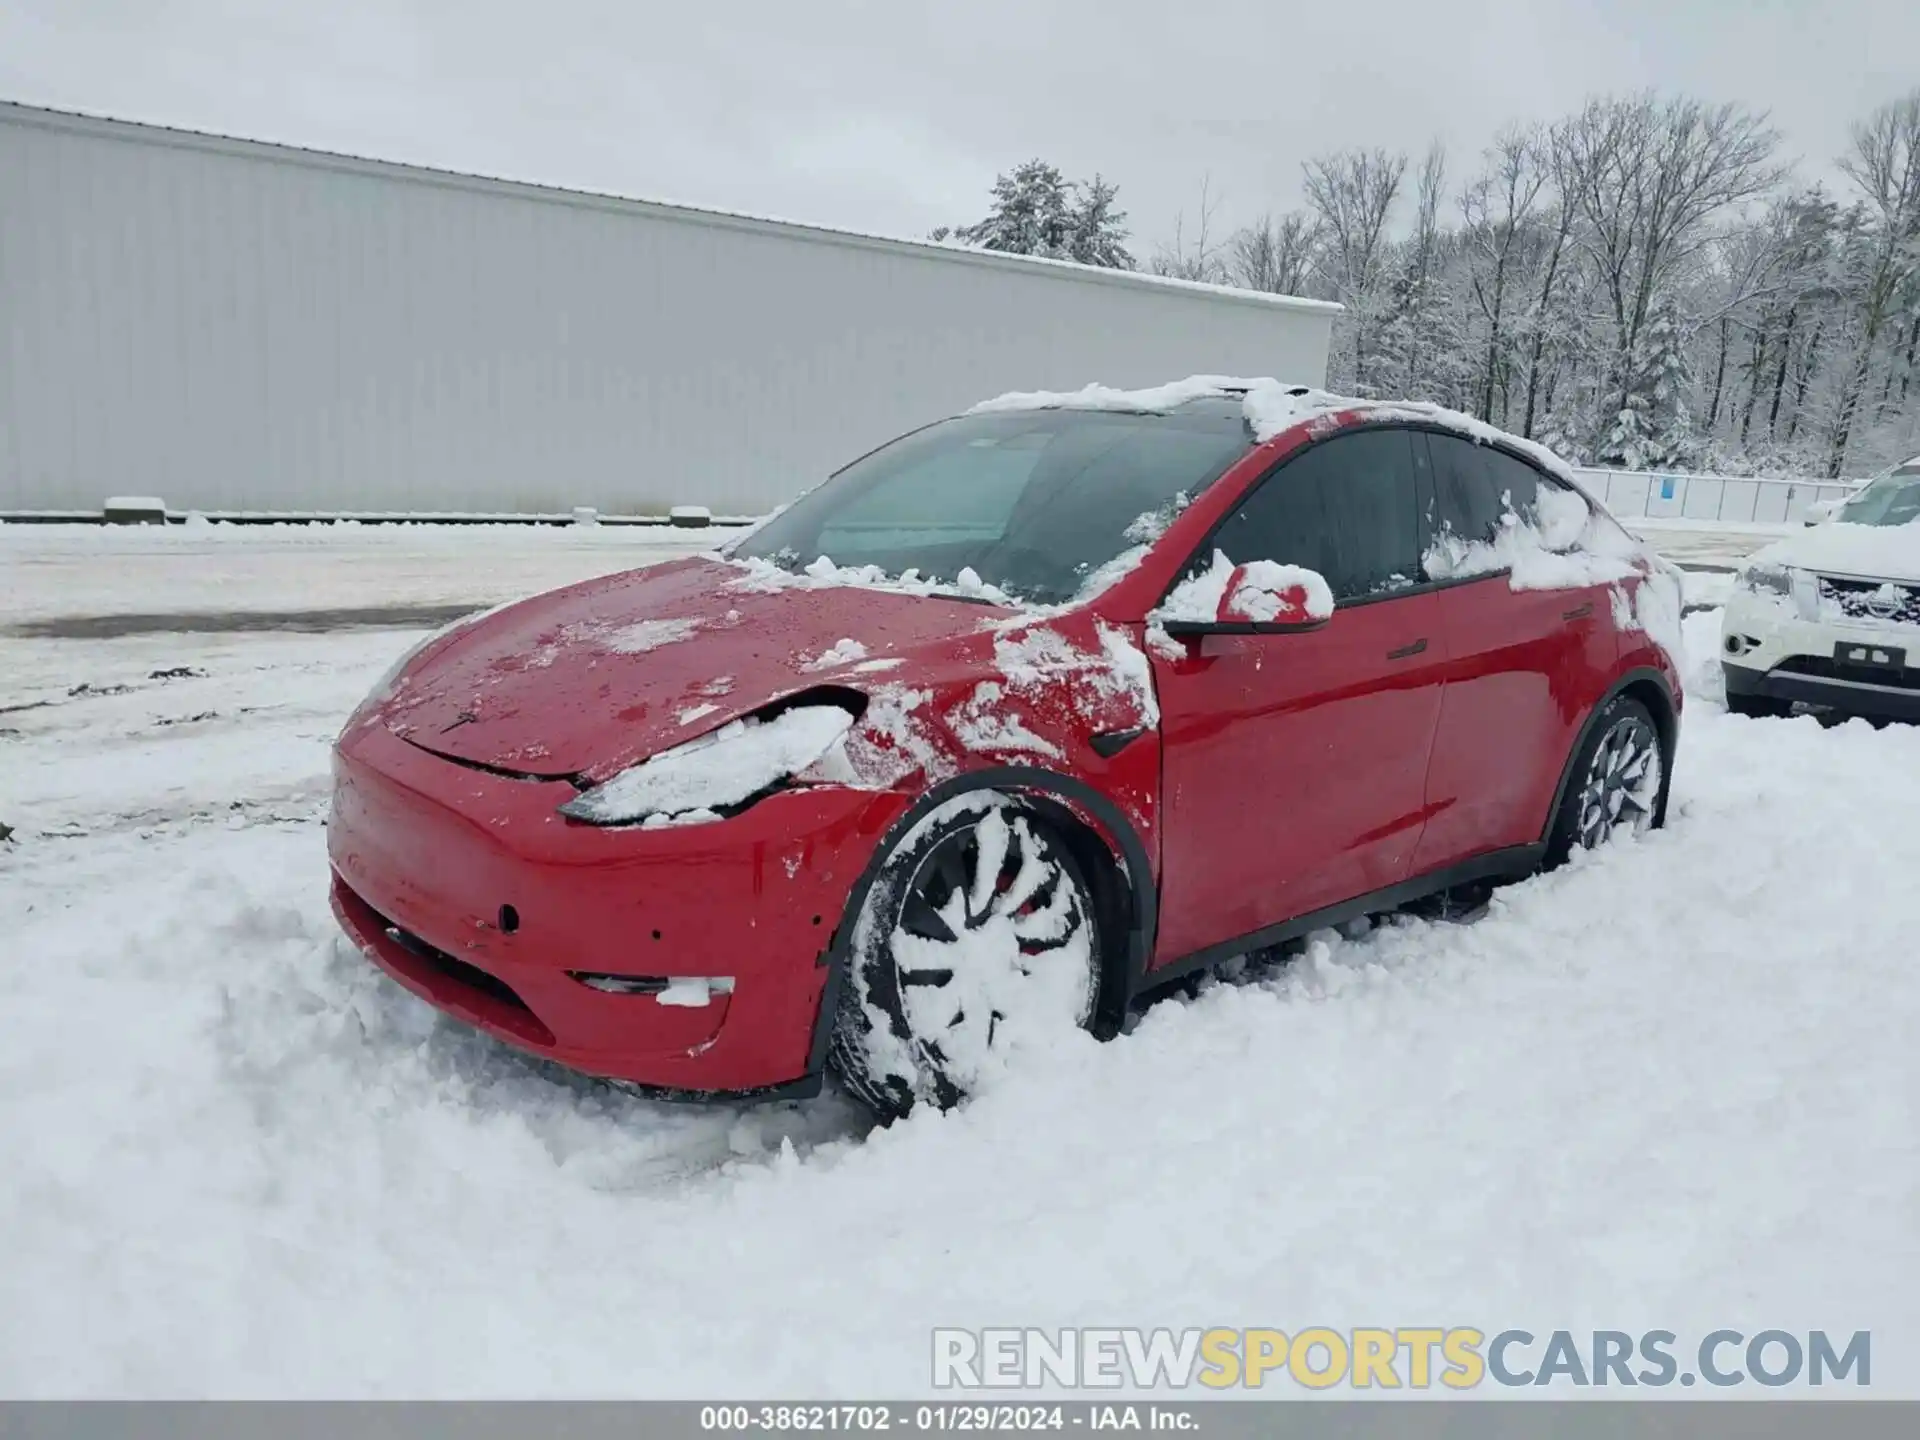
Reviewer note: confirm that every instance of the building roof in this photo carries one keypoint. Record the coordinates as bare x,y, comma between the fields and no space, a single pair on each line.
73,121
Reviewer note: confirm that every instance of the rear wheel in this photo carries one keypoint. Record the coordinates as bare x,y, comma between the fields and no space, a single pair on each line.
981,933
1617,784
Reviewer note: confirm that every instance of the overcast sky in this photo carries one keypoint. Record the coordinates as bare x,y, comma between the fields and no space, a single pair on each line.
894,116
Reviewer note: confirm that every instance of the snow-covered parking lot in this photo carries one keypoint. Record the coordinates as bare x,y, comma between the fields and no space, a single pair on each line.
1672,1087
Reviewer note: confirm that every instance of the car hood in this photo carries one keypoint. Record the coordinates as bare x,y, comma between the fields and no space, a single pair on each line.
585,681
1877,552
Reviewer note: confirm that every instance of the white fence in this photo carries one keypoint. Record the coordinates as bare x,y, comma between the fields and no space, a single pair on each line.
1722,498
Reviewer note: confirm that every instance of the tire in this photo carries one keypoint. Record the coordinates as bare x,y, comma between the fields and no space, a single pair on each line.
1759,706
1617,782
981,932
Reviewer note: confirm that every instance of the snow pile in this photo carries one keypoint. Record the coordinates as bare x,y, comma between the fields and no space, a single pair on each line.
1656,604
765,576
983,723
645,635
1273,407
1554,551
1132,672
1156,400
697,780
841,652
1266,588
1108,688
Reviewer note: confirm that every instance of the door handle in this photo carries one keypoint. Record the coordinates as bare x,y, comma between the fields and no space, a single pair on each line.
1407,652
1579,612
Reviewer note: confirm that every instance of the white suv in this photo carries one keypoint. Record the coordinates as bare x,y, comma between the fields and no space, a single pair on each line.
1831,616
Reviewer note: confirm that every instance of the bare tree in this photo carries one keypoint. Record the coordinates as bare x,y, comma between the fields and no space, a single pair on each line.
1648,177
1556,154
1352,193
1885,165
1202,259
1275,256
1498,210
1605,286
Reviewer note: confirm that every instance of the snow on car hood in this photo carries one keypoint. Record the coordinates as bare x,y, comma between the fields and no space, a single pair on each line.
587,680
1877,552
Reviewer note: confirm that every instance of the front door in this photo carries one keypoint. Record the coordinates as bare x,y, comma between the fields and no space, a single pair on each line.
1294,765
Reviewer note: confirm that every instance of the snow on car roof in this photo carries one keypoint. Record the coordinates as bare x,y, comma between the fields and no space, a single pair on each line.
1272,407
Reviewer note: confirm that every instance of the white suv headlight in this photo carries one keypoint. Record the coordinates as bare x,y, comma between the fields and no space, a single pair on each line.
1765,579
1781,582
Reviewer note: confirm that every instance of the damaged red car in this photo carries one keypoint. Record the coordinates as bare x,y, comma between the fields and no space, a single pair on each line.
1003,728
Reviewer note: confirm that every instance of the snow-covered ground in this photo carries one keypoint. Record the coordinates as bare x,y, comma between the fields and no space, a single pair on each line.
48,571
1673,1087
1715,543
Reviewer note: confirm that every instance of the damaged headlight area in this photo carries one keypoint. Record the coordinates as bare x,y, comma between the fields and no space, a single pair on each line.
721,773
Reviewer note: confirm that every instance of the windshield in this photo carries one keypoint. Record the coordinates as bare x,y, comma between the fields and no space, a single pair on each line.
1891,500
1033,502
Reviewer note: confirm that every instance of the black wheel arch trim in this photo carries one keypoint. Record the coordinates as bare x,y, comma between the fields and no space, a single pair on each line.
1667,718
1143,910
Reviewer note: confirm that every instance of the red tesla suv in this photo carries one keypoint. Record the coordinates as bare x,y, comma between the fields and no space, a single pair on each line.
1006,726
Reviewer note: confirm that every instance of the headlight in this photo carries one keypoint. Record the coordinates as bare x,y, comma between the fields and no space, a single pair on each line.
1766,580
707,778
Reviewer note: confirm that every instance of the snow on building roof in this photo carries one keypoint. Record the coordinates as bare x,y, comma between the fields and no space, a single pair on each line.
212,142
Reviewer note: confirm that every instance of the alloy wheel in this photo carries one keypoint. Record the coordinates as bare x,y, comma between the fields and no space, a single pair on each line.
1622,783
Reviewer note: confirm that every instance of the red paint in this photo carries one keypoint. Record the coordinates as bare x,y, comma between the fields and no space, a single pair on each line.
1288,772
1294,768
1527,667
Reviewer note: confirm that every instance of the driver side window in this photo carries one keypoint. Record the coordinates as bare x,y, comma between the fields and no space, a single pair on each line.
1346,507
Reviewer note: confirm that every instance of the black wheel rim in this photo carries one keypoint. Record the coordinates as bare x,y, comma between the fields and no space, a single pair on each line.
1622,783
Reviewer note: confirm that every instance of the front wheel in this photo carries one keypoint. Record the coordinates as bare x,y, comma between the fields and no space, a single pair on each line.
980,933
1618,781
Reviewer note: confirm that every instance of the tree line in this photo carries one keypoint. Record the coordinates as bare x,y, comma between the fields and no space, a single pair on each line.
1642,283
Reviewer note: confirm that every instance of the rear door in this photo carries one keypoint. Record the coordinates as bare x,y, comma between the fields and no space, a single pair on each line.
1294,765
1527,665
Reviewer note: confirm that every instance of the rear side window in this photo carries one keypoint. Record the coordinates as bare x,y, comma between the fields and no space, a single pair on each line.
1516,484
1465,502
1476,488
1346,507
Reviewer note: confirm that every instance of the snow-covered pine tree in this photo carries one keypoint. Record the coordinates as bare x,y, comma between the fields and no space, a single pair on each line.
1097,226
1030,213
1653,429
1038,211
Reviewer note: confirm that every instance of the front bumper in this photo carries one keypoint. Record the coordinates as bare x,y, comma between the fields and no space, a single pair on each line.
469,889
1769,649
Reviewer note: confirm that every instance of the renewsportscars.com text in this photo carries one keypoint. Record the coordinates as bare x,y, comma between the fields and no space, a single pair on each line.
1414,1358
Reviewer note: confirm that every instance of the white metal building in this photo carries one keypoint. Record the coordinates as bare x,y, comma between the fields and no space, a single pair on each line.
235,326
